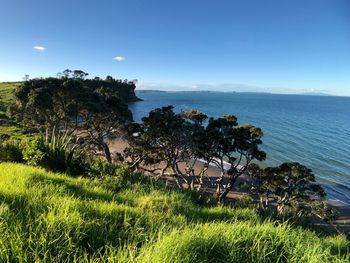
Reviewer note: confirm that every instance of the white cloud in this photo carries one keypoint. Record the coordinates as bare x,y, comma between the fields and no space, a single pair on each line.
119,58
40,48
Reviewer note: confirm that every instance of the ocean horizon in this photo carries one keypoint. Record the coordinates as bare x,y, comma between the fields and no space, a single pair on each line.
310,129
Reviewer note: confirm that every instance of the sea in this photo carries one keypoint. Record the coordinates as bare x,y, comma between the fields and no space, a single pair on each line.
311,130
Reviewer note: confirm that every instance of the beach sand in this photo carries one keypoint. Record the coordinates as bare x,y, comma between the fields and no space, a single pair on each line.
342,224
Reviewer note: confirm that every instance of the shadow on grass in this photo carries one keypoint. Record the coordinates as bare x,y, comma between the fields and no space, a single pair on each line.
78,191
120,223
16,203
196,210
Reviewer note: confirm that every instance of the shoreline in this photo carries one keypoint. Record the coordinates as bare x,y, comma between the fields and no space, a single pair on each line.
342,223
119,145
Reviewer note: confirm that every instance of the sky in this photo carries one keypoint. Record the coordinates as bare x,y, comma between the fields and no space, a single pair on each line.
289,46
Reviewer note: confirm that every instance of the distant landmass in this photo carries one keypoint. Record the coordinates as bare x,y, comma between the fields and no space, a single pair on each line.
316,94
244,92
150,90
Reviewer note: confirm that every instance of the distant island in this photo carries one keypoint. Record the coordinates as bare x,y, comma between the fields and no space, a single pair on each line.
248,92
316,94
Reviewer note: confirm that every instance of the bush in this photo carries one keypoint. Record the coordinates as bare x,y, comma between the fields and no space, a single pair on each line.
58,153
10,151
100,168
112,177
35,152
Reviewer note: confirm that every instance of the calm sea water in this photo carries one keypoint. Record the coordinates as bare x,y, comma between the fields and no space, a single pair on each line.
312,130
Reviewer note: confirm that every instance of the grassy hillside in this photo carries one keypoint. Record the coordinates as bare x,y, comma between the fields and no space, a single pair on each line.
50,217
6,91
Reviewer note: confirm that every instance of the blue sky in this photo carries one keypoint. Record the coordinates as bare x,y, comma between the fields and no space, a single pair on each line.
289,46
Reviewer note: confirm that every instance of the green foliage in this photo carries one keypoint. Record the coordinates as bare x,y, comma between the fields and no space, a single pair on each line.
112,177
100,168
62,103
61,152
49,217
35,151
290,188
171,138
10,151
94,109
58,153
43,104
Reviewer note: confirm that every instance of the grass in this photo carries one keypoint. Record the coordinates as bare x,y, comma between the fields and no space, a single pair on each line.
240,242
6,95
6,91
50,217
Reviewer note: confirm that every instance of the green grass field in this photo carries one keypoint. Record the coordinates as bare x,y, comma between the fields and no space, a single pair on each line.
49,217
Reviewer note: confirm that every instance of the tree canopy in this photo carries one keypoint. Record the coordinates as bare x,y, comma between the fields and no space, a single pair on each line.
94,109
174,139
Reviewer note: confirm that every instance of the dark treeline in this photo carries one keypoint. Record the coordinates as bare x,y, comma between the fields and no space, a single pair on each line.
94,109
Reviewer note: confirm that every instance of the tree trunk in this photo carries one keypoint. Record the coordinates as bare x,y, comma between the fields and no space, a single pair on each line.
190,181
163,170
219,183
227,189
136,163
201,182
107,152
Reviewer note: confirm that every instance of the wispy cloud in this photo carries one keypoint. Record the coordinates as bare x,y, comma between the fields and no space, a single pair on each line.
119,58
40,48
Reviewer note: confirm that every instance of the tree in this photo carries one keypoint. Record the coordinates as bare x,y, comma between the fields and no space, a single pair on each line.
172,139
291,186
104,120
236,145
26,77
93,109
66,73
51,103
194,147
79,74
160,139
110,78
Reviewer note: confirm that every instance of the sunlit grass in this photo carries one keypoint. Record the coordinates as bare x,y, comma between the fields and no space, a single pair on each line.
241,242
49,217
6,95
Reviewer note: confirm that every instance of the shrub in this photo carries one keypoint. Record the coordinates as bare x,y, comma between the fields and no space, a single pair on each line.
58,153
112,177
35,151
100,168
10,151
